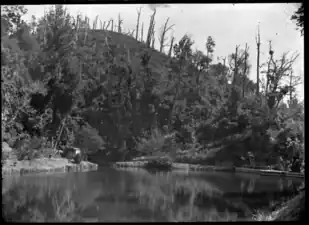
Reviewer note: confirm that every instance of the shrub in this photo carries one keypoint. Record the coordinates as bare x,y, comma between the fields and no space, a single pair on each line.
162,163
88,140
157,143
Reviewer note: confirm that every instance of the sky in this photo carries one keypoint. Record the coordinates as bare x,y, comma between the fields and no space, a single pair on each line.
228,24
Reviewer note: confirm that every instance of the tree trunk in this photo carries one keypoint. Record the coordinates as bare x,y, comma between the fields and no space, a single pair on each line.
171,47
137,24
258,43
245,72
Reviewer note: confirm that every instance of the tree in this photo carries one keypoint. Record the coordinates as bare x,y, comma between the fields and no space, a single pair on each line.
277,71
11,18
176,84
298,16
162,38
210,44
120,21
201,62
171,46
150,29
258,44
137,23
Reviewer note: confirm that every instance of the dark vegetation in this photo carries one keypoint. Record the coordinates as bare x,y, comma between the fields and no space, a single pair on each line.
65,83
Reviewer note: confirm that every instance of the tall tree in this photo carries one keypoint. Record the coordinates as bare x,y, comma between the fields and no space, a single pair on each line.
142,33
120,21
171,46
258,44
137,23
150,29
244,74
162,34
11,18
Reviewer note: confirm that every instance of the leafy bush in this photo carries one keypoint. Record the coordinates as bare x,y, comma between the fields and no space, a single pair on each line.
162,163
88,140
157,143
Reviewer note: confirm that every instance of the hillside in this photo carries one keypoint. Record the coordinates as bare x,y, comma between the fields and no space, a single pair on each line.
107,93
125,42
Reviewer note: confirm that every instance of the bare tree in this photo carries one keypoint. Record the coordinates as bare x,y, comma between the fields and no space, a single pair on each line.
137,24
130,33
120,21
153,39
95,22
271,53
112,27
142,32
258,43
164,30
235,64
109,22
277,71
171,46
150,29
245,70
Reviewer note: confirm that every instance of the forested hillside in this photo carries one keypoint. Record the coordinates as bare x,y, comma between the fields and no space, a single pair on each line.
114,95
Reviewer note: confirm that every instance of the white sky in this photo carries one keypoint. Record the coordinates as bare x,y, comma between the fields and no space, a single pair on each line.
228,24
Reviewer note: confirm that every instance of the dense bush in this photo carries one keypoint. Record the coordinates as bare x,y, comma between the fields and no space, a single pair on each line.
161,163
101,90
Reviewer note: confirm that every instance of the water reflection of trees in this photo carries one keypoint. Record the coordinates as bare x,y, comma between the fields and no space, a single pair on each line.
124,195
182,198
40,199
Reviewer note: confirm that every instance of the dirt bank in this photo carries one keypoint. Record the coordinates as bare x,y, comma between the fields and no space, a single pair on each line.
45,165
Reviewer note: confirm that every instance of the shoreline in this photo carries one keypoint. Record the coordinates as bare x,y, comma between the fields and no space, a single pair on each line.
197,167
45,165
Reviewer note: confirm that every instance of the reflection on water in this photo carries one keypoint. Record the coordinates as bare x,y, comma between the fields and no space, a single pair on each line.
137,195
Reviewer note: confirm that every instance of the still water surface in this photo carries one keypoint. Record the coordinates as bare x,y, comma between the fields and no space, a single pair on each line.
134,195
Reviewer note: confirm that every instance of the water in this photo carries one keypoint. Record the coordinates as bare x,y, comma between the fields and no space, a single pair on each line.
138,195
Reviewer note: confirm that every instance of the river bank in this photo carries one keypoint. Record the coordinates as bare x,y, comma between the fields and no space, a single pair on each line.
290,210
196,167
45,165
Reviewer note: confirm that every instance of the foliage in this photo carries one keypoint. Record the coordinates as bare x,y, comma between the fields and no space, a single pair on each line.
157,143
99,90
88,140
162,163
298,16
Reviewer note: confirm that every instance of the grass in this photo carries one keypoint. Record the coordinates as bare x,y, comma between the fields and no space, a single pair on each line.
290,210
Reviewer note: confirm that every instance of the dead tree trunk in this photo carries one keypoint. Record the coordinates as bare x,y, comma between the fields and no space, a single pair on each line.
235,65
162,38
245,72
258,43
171,47
112,28
137,24
291,91
95,22
142,32
268,76
153,39
150,29
120,21
106,28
